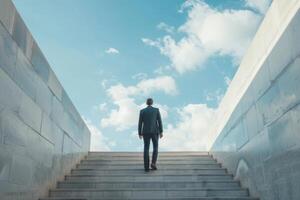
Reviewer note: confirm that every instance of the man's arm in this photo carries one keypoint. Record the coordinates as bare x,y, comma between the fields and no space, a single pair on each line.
140,124
160,126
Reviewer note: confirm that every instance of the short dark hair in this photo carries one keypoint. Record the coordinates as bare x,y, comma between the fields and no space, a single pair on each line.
149,101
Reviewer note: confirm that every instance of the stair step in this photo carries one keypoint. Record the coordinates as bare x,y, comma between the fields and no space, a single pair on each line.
134,162
142,193
169,153
120,175
141,156
141,171
140,159
149,198
137,167
143,184
150,178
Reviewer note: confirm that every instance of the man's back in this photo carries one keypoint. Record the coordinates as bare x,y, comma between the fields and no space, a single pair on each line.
149,127
150,121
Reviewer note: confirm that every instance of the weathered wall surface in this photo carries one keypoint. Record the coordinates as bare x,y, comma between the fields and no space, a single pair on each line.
41,134
257,130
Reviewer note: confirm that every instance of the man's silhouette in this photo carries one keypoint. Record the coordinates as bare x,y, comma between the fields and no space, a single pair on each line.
150,128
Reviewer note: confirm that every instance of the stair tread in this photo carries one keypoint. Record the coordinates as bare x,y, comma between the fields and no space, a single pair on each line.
148,175
130,162
209,181
125,164
134,169
141,153
120,175
101,159
147,189
138,168
179,198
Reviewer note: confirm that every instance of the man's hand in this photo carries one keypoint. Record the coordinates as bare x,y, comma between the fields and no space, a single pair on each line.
160,135
141,136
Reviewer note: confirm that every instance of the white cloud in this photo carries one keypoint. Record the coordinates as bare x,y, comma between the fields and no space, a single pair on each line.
150,42
101,107
164,84
227,80
184,55
163,69
164,109
126,114
124,117
112,50
227,32
140,76
208,32
191,132
98,141
260,5
165,27
104,83
216,96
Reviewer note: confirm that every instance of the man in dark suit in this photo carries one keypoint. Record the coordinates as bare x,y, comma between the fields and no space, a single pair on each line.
150,128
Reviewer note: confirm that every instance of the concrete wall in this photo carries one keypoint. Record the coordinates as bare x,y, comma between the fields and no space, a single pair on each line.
41,134
257,130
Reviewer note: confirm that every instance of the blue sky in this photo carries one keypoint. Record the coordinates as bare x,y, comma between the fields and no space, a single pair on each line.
110,55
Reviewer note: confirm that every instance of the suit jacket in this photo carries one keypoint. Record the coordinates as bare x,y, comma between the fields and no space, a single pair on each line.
150,121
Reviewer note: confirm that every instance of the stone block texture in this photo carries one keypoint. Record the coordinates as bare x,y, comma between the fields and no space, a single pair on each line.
258,124
41,133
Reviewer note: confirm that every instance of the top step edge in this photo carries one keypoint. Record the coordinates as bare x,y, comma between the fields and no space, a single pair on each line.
142,152
173,198
146,189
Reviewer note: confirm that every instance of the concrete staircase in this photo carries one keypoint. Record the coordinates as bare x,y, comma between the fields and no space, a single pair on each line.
120,175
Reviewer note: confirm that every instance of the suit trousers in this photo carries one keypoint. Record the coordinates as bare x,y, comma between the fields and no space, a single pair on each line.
147,138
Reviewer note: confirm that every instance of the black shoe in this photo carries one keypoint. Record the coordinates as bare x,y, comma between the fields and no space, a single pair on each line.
153,167
147,170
